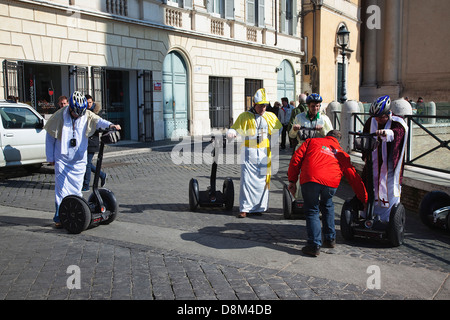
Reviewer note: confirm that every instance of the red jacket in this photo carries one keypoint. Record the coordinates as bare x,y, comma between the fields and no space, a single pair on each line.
323,161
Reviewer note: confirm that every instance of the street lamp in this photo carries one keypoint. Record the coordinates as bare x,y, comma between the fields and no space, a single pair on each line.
343,38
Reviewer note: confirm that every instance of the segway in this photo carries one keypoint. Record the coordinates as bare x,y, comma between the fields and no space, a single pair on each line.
76,214
212,197
292,206
352,225
435,210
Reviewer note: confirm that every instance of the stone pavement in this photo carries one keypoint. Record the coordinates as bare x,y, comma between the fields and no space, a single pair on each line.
157,249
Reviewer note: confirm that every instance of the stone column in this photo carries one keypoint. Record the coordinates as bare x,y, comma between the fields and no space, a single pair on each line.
370,52
348,108
391,42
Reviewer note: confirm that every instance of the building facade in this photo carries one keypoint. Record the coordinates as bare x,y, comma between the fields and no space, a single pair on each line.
158,68
323,61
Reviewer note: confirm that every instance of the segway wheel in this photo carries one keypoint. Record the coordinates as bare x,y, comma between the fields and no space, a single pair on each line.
396,228
110,203
228,192
287,203
74,214
194,195
433,201
346,221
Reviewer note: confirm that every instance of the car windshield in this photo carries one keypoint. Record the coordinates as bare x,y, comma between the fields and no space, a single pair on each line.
16,118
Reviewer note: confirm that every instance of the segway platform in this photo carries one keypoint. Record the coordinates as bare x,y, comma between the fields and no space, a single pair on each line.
435,210
352,225
211,197
78,214
291,206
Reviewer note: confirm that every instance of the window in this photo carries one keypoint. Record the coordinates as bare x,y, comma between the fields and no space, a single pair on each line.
255,12
251,86
18,118
218,6
220,102
187,4
288,17
222,8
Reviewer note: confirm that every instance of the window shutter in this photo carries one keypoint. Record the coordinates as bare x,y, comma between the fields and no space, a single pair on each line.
229,9
282,15
209,5
251,11
187,4
261,14
294,17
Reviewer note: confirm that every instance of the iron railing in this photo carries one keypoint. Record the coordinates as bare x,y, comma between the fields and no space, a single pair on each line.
439,144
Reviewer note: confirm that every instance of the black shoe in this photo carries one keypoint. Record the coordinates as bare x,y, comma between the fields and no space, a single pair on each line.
329,243
103,181
311,250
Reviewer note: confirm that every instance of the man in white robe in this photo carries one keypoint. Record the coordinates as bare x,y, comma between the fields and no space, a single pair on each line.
255,125
66,146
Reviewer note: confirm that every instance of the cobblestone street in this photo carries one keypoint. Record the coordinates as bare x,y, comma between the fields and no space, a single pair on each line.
158,249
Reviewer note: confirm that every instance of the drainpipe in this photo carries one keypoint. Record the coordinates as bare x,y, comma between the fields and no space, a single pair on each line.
276,23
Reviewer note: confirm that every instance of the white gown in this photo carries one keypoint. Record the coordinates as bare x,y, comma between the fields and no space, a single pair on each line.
253,194
70,162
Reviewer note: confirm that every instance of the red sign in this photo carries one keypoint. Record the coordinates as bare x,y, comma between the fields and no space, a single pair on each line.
157,86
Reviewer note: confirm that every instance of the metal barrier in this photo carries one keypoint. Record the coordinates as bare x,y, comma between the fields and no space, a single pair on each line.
443,143
418,142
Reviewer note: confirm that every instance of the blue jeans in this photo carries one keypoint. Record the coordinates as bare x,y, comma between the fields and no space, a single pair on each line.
90,167
56,216
318,198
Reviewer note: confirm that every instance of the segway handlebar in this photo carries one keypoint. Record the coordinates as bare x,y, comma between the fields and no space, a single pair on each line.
362,134
306,133
110,135
364,141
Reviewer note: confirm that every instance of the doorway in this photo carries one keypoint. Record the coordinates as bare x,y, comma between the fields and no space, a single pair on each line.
175,95
285,81
117,108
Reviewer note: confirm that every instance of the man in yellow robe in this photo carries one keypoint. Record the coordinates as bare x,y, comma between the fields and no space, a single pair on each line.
255,126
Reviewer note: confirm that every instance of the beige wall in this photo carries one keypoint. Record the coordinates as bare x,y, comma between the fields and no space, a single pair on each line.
425,68
330,55
421,65
328,20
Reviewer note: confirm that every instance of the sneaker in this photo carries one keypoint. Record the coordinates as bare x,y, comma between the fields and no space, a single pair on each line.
103,181
329,243
85,189
311,250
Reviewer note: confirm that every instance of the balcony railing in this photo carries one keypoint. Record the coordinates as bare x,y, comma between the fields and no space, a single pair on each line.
217,27
174,18
252,34
118,7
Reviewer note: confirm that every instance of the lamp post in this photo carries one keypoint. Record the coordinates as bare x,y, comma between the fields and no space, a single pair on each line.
343,37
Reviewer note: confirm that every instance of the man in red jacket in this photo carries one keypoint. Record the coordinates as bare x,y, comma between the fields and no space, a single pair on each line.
322,163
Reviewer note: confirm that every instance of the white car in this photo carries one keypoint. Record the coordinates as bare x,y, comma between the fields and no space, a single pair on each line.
22,137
